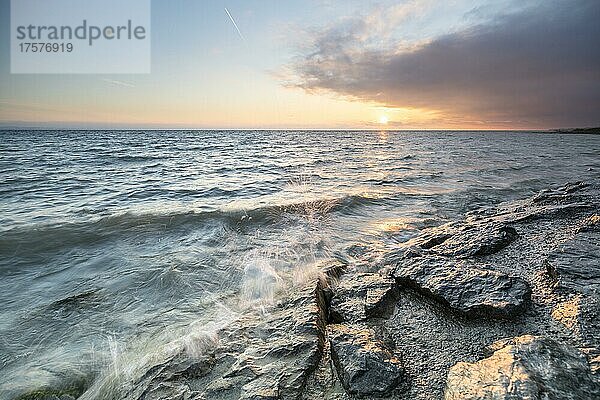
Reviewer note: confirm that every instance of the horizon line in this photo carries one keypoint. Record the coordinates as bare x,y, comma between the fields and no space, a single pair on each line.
548,130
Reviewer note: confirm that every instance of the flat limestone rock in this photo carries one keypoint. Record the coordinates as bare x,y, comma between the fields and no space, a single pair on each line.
361,296
470,290
365,366
563,202
577,262
525,367
460,240
477,241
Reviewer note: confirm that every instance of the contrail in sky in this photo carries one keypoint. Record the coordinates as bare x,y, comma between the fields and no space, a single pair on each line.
234,24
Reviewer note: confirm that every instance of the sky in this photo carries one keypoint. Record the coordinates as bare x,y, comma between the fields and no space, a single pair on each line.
328,64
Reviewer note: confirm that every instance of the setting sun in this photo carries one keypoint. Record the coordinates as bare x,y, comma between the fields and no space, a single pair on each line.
383,120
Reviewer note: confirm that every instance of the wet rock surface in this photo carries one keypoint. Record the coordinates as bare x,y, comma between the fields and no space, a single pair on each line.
365,366
576,262
276,353
260,357
553,253
358,297
525,367
471,290
477,241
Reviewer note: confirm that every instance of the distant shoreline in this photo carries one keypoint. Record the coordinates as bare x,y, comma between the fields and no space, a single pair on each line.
586,131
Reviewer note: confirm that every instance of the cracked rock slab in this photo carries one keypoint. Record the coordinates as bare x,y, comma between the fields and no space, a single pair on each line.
466,289
525,367
278,353
362,296
365,366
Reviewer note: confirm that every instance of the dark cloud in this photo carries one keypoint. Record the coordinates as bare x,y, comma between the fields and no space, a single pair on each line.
538,68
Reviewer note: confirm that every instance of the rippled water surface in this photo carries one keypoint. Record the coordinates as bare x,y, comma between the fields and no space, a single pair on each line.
115,246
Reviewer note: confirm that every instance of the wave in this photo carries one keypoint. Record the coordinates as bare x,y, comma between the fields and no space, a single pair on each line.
44,237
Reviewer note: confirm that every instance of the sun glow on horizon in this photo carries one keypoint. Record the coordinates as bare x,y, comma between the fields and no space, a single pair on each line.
383,120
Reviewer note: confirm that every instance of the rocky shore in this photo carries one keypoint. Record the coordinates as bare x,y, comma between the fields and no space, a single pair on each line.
504,304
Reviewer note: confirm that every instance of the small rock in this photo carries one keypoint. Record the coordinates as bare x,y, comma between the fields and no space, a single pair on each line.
364,365
466,289
525,367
